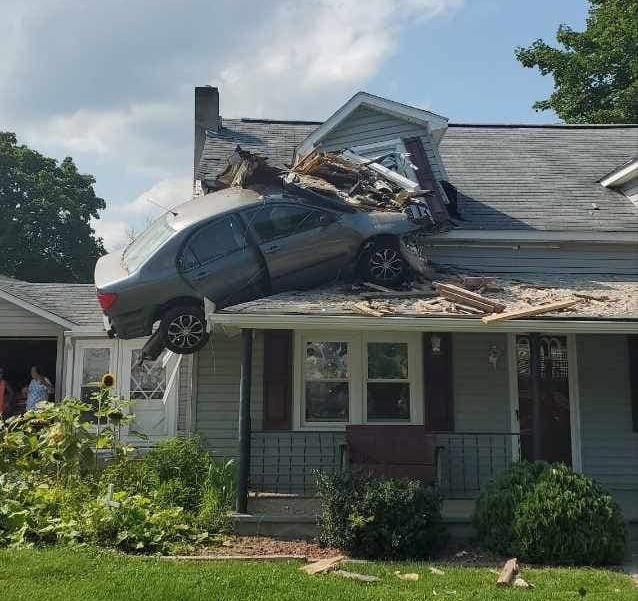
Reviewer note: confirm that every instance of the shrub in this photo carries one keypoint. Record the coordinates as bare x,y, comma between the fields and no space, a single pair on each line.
218,493
569,518
495,508
380,518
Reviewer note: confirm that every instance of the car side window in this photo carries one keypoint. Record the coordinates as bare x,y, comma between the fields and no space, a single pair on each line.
213,241
279,221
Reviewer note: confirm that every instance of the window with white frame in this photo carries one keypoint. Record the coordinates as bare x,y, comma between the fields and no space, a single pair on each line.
147,380
359,378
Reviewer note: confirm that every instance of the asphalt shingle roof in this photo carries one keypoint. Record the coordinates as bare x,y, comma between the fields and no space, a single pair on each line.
76,303
511,177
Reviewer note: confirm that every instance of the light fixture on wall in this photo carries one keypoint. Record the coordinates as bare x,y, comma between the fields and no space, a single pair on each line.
435,344
493,356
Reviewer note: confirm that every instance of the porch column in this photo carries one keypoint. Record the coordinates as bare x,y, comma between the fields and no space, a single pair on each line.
243,472
535,366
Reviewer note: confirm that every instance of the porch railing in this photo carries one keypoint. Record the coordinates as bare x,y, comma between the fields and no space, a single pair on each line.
286,461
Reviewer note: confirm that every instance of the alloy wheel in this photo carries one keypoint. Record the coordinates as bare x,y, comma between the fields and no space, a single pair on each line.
386,264
185,331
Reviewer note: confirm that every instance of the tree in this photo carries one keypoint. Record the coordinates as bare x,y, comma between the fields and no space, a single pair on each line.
45,209
596,71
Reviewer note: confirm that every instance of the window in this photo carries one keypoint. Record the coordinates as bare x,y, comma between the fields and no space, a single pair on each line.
279,221
214,241
326,380
148,380
95,363
358,378
387,383
145,245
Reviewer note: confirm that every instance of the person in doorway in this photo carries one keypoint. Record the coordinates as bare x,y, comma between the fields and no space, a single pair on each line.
39,389
6,396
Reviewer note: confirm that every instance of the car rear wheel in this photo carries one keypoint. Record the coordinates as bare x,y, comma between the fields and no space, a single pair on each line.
183,329
384,264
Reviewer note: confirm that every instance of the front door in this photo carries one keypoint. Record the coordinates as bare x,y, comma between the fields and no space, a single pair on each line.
543,398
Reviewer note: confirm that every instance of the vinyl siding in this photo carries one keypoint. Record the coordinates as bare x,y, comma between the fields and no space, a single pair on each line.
365,126
217,403
612,259
609,447
20,323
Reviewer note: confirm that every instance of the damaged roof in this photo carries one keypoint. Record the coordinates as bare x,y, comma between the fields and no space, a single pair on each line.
510,177
75,303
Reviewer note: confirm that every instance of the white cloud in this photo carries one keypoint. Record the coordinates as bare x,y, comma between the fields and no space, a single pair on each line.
118,223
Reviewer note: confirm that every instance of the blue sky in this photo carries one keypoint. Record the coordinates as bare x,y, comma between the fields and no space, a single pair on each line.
111,84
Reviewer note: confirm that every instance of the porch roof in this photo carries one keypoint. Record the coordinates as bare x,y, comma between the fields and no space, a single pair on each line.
604,298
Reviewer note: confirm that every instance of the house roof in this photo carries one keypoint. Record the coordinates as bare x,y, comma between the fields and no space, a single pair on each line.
73,303
510,177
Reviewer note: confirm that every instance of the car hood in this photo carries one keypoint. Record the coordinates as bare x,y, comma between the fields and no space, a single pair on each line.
109,269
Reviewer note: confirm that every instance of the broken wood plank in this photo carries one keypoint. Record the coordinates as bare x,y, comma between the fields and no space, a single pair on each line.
529,312
508,573
600,298
464,300
469,309
323,565
377,287
355,576
467,294
364,309
398,294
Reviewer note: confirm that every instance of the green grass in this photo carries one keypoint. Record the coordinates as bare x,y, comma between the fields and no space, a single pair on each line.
86,574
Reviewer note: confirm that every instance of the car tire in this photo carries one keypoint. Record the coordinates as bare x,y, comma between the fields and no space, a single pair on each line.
183,329
383,264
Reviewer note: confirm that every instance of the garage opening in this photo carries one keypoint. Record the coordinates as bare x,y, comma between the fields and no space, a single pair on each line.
17,355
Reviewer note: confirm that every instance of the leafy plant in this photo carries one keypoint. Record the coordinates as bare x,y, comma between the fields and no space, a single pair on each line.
495,508
569,518
380,518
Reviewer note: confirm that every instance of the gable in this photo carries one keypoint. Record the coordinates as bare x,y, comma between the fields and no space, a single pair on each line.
16,321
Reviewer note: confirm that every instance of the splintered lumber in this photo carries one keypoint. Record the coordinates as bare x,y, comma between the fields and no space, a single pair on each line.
600,298
366,310
529,312
377,287
323,565
467,297
355,576
508,573
469,309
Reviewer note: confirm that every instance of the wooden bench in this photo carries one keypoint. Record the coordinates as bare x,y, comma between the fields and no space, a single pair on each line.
393,451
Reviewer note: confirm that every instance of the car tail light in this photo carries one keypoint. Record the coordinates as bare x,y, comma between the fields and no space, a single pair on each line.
106,299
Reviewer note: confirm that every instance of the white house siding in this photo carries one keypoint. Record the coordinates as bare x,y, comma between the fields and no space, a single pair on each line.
609,447
366,126
20,323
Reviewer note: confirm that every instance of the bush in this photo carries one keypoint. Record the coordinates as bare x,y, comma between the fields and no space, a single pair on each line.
569,518
544,513
495,508
379,518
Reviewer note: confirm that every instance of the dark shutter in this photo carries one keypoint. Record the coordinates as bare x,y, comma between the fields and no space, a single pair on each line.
426,179
437,376
632,342
277,380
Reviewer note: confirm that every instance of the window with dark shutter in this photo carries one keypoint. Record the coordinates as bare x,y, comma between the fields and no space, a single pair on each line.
277,380
438,386
632,343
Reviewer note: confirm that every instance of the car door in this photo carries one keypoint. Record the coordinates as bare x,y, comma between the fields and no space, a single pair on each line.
303,246
222,264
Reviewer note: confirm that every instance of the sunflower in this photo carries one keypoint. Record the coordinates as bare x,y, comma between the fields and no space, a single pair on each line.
108,380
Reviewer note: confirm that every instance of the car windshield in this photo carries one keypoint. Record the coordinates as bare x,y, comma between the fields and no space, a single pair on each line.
145,245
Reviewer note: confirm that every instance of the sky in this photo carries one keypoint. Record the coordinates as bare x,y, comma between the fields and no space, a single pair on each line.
111,83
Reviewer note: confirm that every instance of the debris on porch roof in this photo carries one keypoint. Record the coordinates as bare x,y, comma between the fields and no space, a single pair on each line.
456,296
345,177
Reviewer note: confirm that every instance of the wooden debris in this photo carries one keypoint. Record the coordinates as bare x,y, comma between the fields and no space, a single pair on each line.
467,297
323,565
412,577
508,573
398,294
600,298
377,287
436,571
355,576
469,309
428,306
520,583
528,312
365,309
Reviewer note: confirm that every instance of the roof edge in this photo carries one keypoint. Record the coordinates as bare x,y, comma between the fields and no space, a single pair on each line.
48,315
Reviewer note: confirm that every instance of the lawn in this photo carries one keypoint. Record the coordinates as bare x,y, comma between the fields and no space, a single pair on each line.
87,574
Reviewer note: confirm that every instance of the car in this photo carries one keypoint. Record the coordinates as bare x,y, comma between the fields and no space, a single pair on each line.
236,245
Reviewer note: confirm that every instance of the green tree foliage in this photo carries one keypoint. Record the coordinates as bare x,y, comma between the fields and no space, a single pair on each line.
45,209
596,70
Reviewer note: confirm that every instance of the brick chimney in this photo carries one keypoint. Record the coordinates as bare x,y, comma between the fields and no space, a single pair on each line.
206,117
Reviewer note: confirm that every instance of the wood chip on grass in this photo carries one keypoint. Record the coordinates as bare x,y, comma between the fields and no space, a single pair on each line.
323,565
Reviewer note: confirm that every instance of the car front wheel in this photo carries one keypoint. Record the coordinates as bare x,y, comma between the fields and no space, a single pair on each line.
384,264
183,329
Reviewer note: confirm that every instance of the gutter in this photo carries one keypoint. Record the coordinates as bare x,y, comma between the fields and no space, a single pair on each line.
424,324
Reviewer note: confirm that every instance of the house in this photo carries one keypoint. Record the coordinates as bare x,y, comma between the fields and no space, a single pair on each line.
551,209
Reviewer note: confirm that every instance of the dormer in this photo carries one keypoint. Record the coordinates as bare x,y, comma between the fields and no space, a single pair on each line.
624,179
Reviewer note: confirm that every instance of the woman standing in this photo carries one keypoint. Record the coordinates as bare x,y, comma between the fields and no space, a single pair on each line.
39,389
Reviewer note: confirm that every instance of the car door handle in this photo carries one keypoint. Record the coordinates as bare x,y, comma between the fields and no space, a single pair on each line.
200,275
272,248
